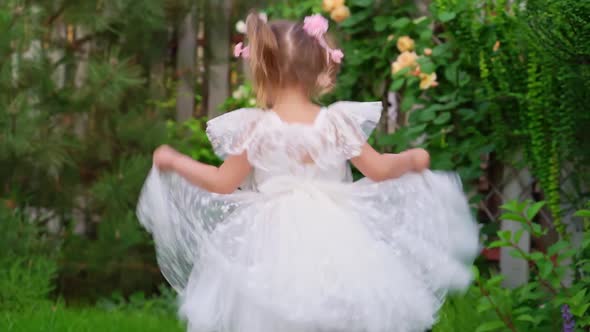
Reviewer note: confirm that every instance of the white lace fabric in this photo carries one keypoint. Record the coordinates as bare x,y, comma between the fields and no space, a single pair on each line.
338,134
301,248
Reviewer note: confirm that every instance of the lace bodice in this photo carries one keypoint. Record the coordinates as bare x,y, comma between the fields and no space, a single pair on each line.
277,148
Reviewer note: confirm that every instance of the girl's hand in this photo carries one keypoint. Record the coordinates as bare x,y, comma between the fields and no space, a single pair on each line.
420,159
164,157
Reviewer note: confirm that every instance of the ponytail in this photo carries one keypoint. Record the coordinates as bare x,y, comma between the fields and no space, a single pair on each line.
263,58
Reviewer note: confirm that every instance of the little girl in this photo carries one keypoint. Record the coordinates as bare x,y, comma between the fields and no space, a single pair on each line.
299,247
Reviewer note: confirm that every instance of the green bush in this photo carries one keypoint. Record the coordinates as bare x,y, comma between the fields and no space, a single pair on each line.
120,258
459,313
512,77
538,305
28,262
543,303
77,132
443,119
528,64
165,303
189,137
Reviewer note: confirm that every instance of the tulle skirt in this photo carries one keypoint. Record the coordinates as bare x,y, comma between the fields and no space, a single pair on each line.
303,255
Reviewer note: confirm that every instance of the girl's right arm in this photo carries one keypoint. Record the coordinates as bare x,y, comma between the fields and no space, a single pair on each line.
378,167
224,179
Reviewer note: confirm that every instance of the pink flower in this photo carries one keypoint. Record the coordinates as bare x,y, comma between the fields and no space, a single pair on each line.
337,56
240,50
315,25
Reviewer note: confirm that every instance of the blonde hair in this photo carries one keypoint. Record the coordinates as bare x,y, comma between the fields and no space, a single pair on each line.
283,55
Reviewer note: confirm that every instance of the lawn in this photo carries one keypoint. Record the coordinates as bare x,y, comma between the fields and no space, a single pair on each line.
51,317
48,317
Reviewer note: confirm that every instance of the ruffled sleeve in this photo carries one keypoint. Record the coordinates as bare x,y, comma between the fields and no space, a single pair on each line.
353,123
231,132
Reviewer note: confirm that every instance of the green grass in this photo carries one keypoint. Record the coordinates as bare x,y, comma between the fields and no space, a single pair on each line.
458,314
50,317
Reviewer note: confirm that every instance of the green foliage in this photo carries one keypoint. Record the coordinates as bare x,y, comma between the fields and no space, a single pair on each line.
77,131
190,138
293,9
512,78
242,97
28,263
77,128
459,313
164,304
531,59
444,118
51,317
537,305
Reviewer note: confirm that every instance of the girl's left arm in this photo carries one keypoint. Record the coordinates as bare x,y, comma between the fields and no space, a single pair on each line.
383,166
224,179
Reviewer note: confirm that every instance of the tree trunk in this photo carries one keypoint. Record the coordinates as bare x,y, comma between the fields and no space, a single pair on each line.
217,39
185,65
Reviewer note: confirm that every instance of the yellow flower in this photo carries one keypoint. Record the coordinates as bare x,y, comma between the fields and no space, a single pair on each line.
405,59
428,51
329,5
497,46
390,38
428,81
405,43
416,72
395,67
340,13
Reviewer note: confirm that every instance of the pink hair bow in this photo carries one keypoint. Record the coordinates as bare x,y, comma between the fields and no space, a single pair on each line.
240,50
316,26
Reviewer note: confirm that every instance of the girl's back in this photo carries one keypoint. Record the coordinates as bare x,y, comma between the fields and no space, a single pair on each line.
316,149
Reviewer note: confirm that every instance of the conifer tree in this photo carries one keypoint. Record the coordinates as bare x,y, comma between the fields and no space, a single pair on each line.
77,125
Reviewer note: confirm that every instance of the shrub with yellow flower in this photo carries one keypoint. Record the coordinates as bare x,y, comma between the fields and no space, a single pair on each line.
427,81
337,9
405,44
340,14
405,60
329,5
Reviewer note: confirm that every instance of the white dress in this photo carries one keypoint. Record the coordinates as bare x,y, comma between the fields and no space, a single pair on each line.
302,248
